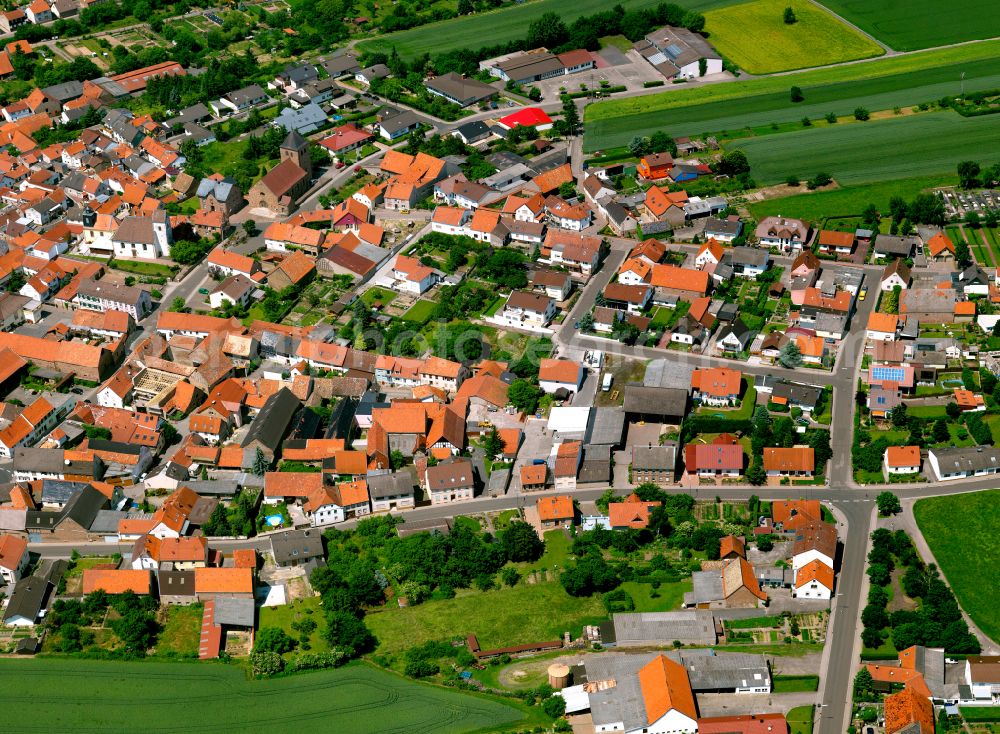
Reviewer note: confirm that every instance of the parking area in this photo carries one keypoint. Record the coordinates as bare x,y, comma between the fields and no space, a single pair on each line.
617,68
537,445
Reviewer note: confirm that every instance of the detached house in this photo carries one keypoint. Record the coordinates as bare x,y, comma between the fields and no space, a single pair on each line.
716,386
786,234
560,374
450,481
526,311
412,277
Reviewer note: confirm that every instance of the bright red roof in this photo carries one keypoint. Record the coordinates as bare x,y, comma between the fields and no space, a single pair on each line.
528,117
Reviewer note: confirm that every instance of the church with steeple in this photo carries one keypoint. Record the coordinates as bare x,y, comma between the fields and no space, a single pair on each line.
281,188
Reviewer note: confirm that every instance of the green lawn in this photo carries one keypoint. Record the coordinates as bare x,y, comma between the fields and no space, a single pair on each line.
419,312
905,25
754,36
85,562
181,634
99,696
882,84
499,26
981,713
375,293
795,683
144,268
814,206
800,720
928,411
557,552
510,616
976,515
900,147
671,596
283,616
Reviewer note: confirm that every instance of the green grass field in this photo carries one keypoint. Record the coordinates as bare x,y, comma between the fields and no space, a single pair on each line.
282,617
382,295
755,37
976,515
181,633
795,683
906,25
875,151
876,85
89,697
670,596
814,206
800,720
419,312
499,26
510,616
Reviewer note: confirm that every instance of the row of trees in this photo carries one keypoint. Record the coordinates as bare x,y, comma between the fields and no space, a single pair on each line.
937,622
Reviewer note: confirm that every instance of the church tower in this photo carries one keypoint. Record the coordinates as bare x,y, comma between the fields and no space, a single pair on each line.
296,149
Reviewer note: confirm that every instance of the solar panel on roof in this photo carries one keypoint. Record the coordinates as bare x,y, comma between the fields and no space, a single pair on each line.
895,374
673,50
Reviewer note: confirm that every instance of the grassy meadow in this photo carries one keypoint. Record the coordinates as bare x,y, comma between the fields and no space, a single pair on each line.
754,36
907,25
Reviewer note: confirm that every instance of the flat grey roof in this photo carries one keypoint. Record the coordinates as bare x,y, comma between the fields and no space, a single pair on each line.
688,626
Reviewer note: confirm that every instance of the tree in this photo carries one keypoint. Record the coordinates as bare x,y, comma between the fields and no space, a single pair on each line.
493,444
953,410
639,146
554,706
524,396
250,227
346,632
940,432
465,7
733,163
861,114
968,174
830,117
899,416
266,664
510,576
661,142
260,463
972,219
521,543
790,355
567,190
188,252
755,474
962,255
819,180
549,30
796,92
571,117
789,18
178,305
273,639
888,504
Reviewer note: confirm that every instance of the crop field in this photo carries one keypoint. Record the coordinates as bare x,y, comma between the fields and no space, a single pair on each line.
900,147
500,26
91,697
976,514
755,37
876,85
906,25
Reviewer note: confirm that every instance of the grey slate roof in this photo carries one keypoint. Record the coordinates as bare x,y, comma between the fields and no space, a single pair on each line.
272,422
297,545
655,458
662,628
28,598
235,611
391,484
663,401
219,189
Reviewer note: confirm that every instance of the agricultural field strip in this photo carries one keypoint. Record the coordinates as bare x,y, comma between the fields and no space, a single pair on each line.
875,151
875,69
841,98
500,26
376,689
920,23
